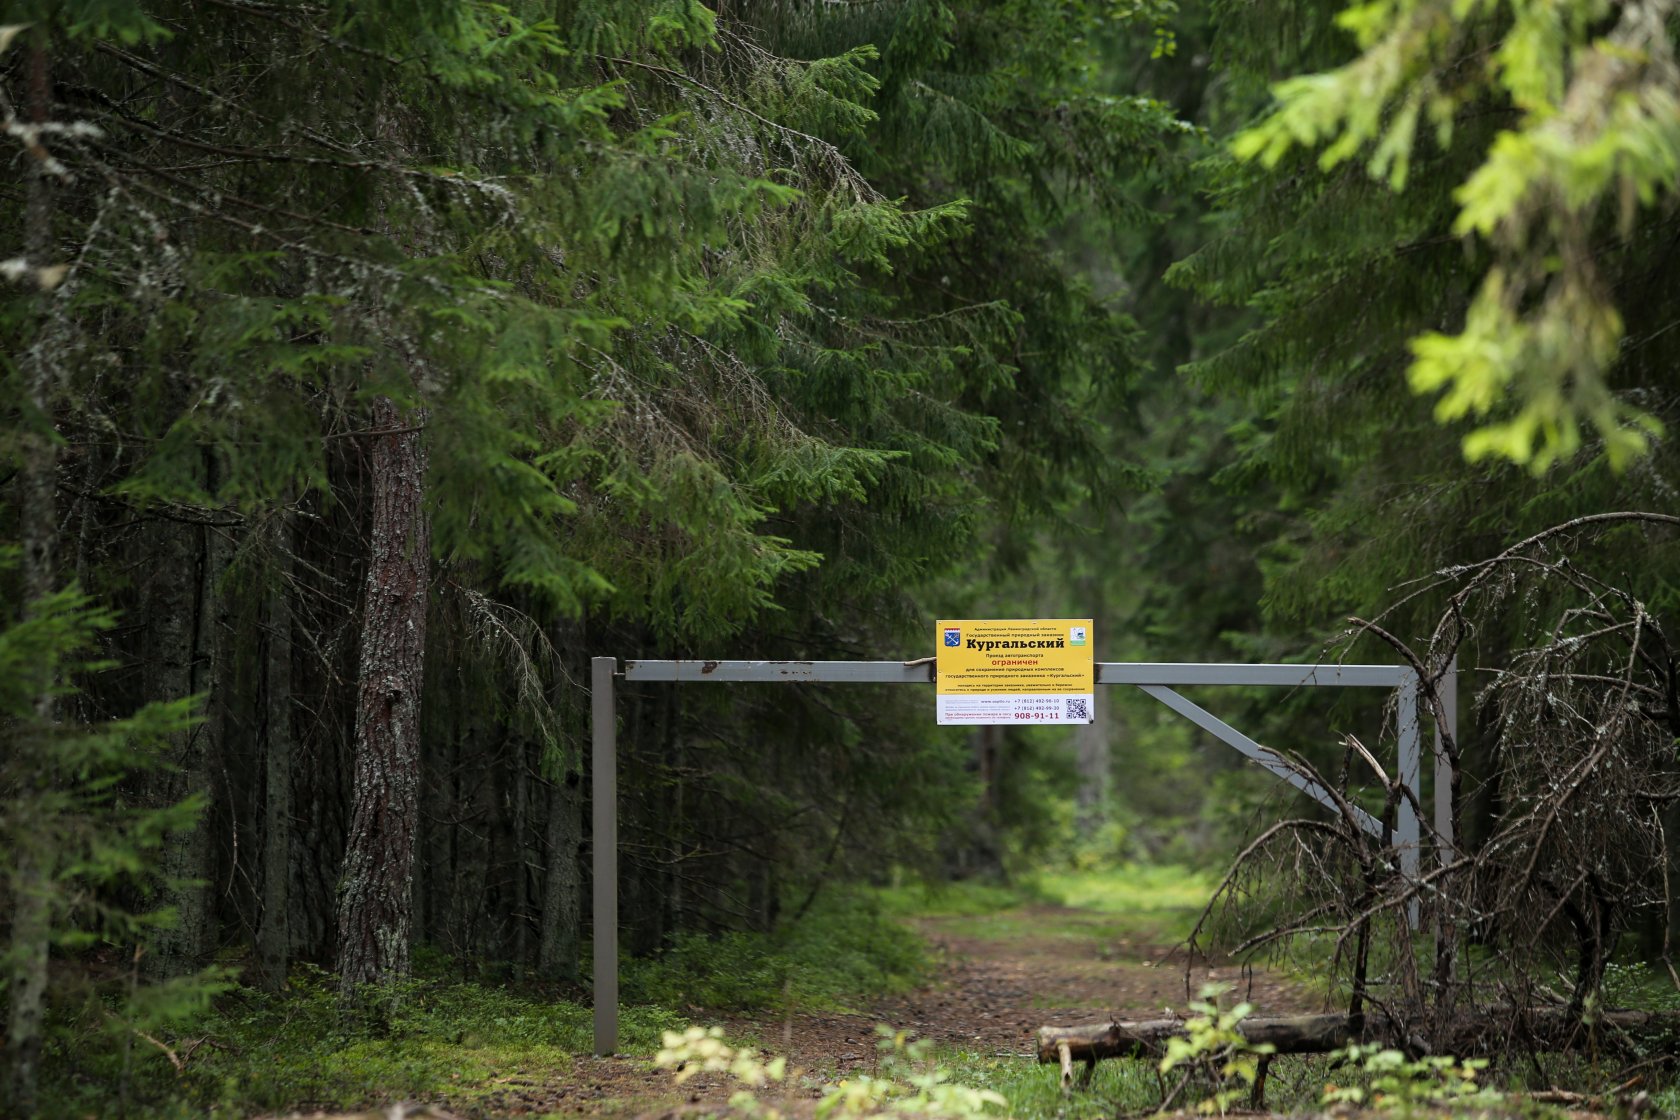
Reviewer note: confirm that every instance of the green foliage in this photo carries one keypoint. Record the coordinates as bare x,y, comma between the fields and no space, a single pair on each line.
81,850
908,1081
703,1050
1305,483
967,897
1213,1043
1034,1091
694,311
1154,904
1638,984
1152,889
1592,137
257,1052
253,1051
652,313
1393,1081
758,331
843,950
911,1083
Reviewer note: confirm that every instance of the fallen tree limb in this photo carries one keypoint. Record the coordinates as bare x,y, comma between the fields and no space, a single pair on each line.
1539,1029
1298,1034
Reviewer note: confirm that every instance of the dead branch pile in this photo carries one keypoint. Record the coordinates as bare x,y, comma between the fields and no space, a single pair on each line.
1567,790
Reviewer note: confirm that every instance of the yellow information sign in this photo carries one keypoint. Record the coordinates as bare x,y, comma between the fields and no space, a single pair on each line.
1016,671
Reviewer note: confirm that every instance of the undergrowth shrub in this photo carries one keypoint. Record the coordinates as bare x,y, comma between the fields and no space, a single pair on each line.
843,951
1390,1080
916,898
1641,985
1213,1047
908,1081
259,1052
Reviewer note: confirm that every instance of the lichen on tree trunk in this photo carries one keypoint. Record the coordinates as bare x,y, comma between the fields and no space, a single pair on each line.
376,886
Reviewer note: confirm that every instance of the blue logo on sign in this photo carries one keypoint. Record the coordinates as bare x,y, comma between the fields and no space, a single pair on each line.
953,637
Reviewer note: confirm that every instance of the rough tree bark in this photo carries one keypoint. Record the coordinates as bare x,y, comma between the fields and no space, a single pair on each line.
274,932
31,874
557,951
375,901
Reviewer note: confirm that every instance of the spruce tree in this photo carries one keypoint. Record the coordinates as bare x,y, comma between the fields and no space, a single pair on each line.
690,326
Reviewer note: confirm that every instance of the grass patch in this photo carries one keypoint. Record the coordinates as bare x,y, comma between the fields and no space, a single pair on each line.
1030,925
954,900
1133,902
845,951
1145,903
1132,889
1034,1091
257,1052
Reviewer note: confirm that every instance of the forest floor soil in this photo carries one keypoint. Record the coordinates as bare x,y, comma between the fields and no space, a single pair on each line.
998,979
999,974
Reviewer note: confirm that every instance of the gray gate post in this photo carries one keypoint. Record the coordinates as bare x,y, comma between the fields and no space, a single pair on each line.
1444,838
603,726
1446,722
1406,831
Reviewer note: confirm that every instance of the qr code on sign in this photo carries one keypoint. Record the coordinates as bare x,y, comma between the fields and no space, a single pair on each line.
1079,709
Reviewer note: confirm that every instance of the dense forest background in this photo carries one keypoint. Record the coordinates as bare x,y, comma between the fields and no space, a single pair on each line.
370,367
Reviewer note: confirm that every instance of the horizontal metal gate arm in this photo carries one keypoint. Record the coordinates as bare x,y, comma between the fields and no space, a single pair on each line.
921,671
1265,756
1286,676
845,672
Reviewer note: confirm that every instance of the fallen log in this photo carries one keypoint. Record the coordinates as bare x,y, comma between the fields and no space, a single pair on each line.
1298,1034
1469,1036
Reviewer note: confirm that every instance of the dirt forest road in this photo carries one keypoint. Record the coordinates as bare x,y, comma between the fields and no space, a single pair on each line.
1055,965
1000,978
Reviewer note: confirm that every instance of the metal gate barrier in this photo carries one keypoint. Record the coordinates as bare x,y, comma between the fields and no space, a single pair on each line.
1157,679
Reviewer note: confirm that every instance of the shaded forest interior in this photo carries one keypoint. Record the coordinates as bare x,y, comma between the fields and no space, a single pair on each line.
371,367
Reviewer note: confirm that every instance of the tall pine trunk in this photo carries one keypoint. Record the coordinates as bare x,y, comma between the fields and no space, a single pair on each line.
376,895
32,873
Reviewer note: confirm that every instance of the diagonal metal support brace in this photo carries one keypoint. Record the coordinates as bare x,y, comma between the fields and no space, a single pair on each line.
1265,756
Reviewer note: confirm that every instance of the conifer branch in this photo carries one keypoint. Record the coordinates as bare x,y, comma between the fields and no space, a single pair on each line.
837,162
